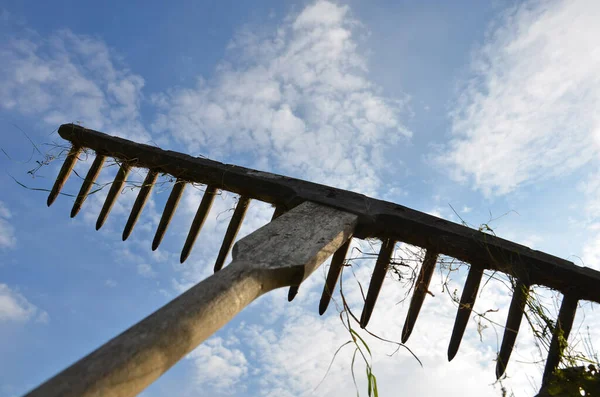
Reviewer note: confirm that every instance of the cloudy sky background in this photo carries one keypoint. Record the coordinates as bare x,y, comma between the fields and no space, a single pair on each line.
487,109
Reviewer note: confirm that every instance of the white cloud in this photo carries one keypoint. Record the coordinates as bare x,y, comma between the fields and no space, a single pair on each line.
437,211
530,111
146,270
591,252
590,188
7,231
14,307
110,283
218,365
299,99
68,78
321,14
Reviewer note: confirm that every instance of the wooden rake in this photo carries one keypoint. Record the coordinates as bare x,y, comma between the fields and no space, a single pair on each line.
311,222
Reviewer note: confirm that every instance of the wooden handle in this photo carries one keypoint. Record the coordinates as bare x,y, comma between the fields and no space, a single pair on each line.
281,253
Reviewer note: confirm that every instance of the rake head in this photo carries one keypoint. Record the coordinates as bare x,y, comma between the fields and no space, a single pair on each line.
383,220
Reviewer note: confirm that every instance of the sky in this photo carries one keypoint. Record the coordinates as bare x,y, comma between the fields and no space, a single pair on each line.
478,112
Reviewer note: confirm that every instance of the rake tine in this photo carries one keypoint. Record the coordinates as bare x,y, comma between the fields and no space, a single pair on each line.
421,288
566,315
205,204
513,322
232,230
168,212
293,291
140,202
114,191
279,210
64,173
467,300
381,266
88,182
335,268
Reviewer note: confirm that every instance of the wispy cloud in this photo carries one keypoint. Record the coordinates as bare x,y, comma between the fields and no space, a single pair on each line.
297,98
14,307
7,231
219,365
68,77
590,189
529,113
146,270
110,283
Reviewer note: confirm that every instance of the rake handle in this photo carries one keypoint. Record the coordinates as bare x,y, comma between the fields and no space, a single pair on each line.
281,253
128,363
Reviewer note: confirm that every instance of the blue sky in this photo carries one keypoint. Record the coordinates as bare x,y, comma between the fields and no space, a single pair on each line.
489,109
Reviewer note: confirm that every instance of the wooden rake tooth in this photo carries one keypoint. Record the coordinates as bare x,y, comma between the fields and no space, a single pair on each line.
140,202
167,215
88,182
467,300
421,288
232,230
114,191
292,292
335,268
64,173
381,266
203,209
566,316
513,322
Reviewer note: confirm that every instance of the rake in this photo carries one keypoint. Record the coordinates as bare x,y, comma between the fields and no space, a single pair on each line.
311,222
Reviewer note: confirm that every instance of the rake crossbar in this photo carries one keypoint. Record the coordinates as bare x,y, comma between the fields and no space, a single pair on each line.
376,218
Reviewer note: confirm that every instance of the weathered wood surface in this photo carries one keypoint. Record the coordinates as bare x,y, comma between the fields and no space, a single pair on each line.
467,301
140,202
113,193
168,212
335,269
420,291
282,253
232,230
88,182
516,312
377,277
560,335
201,214
64,173
376,218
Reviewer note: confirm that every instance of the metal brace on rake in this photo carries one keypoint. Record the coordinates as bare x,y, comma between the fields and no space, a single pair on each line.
311,222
